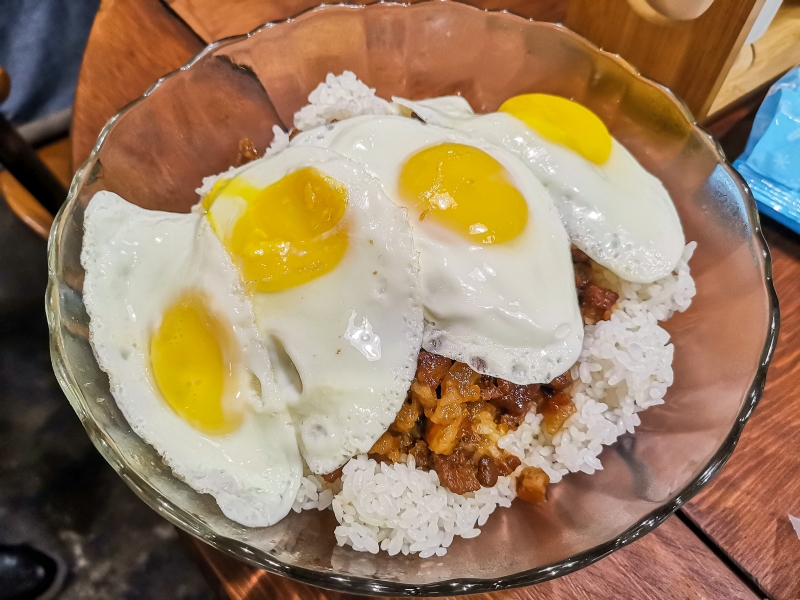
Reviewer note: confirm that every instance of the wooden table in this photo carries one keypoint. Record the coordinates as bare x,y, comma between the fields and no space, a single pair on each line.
734,540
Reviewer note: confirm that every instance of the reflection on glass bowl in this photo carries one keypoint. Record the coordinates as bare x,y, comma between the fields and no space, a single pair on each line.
157,150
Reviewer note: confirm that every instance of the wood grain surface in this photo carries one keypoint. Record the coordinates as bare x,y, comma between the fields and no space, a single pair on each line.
131,45
691,58
746,508
213,20
668,563
5,84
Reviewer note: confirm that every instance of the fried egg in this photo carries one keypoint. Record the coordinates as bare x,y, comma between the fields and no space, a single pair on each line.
612,208
497,277
172,327
330,263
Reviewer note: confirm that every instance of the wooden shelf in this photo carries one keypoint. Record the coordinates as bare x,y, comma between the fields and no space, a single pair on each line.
761,63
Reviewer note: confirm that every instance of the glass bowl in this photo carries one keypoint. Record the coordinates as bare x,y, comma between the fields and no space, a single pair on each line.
188,125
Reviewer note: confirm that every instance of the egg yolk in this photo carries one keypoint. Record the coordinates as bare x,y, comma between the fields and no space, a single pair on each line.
190,368
564,122
290,232
466,190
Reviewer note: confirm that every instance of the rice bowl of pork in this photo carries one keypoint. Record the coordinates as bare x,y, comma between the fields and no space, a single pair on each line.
156,153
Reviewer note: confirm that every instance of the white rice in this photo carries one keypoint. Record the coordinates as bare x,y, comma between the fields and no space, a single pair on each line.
314,492
280,140
341,97
625,367
399,508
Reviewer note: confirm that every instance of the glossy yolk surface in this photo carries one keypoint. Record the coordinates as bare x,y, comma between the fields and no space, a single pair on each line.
188,357
290,232
466,190
564,122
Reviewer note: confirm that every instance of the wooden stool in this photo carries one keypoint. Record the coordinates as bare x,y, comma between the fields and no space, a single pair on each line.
28,175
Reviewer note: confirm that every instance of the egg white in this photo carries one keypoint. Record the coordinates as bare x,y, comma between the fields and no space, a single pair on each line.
508,310
138,262
617,212
353,334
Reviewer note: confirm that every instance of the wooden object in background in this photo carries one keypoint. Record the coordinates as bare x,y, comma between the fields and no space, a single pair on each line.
20,164
5,85
764,61
213,20
691,58
132,44
668,563
57,158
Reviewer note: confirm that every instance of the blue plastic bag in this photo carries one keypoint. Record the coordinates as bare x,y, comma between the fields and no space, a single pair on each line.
771,161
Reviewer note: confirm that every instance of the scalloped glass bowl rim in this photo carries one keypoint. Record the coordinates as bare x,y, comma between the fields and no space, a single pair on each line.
355,584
